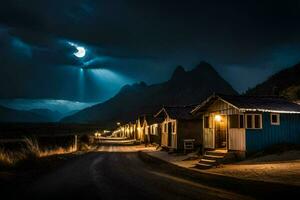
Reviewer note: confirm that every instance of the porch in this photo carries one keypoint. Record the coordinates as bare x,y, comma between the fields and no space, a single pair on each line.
224,132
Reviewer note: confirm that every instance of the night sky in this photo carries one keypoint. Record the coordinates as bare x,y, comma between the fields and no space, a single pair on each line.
130,41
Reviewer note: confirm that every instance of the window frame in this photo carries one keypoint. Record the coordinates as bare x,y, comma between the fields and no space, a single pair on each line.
231,121
253,121
174,128
278,118
154,129
238,121
209,123
165,127
243,116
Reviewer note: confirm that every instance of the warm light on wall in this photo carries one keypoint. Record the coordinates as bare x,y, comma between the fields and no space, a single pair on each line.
97,135
218,118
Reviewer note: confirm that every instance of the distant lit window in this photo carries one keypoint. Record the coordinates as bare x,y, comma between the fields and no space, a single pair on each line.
275,119
154,129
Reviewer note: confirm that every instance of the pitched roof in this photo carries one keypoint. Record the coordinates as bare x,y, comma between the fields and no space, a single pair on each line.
153,120
177,112
252,103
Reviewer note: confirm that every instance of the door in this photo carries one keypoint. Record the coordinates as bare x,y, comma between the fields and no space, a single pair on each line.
169,134
221,132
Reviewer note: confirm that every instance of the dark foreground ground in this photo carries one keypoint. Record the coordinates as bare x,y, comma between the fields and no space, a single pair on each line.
117,174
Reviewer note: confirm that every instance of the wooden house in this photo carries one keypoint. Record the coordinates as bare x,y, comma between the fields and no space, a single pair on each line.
154,129
148,129
140,128
178,126
248,124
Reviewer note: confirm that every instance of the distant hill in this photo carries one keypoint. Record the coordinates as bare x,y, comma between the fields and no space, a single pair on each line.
184,88
285,83
12,115
49,115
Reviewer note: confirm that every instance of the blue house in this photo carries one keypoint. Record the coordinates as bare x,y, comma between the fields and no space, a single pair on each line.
248,124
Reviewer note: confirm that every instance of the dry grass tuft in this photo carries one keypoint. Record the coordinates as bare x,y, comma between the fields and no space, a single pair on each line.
31,151
57,151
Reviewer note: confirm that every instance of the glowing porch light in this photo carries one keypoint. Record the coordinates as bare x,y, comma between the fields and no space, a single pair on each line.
97,134
218,118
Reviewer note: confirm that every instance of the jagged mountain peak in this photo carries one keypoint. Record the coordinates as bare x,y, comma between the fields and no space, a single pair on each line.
135,86
184,88
178,72
204,66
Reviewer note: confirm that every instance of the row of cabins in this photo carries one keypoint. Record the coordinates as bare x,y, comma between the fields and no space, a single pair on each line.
239,124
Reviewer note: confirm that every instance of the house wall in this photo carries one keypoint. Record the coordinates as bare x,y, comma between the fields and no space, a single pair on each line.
155,137
189,129
147,133
237,139
287,132
164,134
140,131
144,131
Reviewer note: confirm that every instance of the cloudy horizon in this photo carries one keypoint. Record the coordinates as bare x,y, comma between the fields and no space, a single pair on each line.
87,50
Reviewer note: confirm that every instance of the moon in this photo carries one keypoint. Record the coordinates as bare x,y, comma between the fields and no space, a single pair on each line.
80,52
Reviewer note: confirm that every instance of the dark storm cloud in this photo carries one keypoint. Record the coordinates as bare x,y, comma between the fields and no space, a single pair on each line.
143,40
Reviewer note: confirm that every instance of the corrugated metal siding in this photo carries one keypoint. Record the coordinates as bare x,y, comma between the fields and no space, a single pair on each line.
287,132
237,139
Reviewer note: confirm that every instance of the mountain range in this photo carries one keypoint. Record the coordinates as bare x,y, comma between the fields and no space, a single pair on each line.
29,116
184,88
48,115
12,115
284,83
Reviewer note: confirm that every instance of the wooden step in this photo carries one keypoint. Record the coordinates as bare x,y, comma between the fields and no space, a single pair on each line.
207,161
212,157
215,153
203,166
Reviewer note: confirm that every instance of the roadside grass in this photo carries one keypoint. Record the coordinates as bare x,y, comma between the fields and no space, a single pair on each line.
30,153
